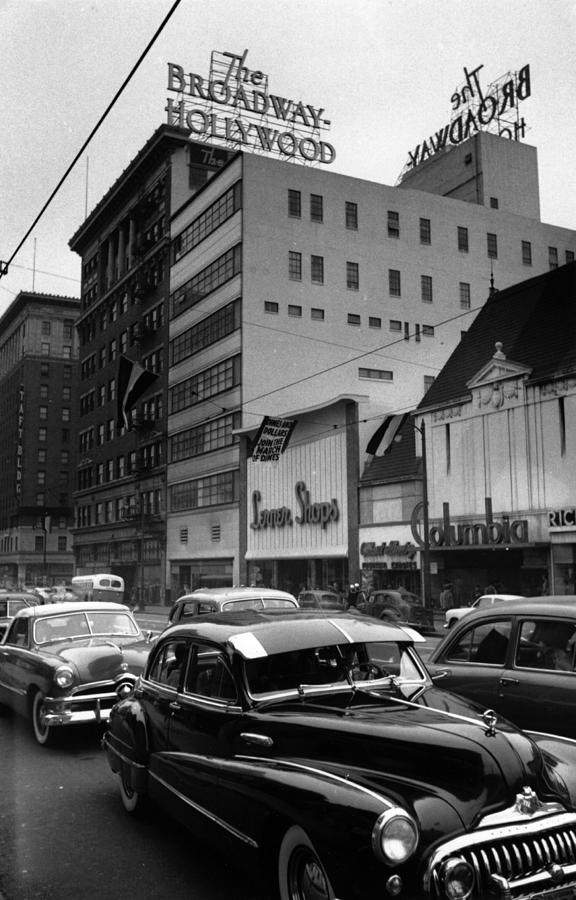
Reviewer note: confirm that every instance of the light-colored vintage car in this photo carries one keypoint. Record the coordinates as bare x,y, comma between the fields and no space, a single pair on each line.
454,615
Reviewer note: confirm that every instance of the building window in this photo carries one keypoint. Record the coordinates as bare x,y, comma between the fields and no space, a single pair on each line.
316,208
62,543
270,307
374,322
354,319
569,256
183,535
494,203
42,455
553,257
317,314
428,330
425,231
205,438
317,269
38,540
42,434
464,295
526,253
43,391
45,349
295,311
395,325
41,499
376,374
492,245
213,490
294,265
352,276
208,221
41,478
208,331
352,215
44,369
65,457
294,204
43,412
463,239
207,280
393,224
562,421
65,414
426,288
394,285
428,382
46,328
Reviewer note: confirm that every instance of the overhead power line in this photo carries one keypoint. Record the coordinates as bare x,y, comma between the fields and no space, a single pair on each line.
4,265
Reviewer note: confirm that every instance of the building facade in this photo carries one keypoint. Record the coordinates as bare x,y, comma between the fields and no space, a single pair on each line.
291,286
120,521
38,375
500,425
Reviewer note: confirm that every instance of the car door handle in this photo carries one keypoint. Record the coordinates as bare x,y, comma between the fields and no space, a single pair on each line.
260,740
505,680
175,705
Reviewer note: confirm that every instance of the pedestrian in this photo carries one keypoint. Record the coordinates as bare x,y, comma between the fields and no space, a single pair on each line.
352,597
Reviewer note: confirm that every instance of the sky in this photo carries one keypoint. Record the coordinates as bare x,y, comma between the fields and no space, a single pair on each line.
383,70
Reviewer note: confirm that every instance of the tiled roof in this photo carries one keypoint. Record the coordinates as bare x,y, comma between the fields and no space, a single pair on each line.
534,320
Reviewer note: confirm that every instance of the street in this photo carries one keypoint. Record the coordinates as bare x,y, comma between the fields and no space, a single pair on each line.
64,833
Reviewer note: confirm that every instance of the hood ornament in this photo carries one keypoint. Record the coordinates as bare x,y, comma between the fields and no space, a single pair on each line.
490,719
527,803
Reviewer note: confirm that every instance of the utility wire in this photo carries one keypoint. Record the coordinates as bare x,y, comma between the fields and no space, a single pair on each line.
4,265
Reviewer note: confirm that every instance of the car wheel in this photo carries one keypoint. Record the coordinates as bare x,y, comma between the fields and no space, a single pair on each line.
132,801
43,733
301,875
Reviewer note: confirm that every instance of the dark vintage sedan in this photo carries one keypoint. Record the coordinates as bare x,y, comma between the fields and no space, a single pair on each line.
316,599
316,749
68,663
518,657
210,600
399,607
12,602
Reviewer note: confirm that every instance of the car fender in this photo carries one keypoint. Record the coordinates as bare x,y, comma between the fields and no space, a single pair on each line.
560,754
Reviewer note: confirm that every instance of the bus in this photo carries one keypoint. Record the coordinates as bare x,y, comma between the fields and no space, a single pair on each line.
99,587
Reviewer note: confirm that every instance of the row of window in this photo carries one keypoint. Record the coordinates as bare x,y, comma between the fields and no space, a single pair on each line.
318,314
208,331
120,509
204,438
212,490
207,222
425,228
209,383
207,280
119,467
67,328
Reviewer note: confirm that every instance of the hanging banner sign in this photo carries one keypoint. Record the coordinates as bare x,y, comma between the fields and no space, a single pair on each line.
233,107
473,110
272,439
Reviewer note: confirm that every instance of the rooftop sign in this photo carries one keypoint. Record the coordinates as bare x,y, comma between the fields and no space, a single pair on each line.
473,110
234,108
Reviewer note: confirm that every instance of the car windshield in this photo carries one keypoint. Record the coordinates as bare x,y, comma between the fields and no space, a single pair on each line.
83,624
379,664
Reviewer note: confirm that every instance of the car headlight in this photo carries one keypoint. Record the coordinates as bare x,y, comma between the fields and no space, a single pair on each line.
64,676
394,836
457,878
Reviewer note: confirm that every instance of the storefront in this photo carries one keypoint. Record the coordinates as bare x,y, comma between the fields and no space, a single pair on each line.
562,527
390,562
298,528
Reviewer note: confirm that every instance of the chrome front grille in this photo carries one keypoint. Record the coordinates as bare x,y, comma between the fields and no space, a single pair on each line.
515,861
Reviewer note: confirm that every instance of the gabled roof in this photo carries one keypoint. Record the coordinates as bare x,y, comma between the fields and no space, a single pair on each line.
535,321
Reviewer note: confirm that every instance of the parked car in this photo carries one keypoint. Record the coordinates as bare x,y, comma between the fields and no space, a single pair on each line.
10,603
315,599
454,615
400,607
517,657
68,663
208,600
319,750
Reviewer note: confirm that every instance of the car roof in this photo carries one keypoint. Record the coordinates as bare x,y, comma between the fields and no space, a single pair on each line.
18,595
556,604
256,633
47,609
221,594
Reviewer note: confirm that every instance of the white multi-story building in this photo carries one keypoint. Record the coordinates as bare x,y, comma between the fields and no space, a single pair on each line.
299,293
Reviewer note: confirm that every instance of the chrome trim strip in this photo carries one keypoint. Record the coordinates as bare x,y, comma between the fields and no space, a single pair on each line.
203,811
322,772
